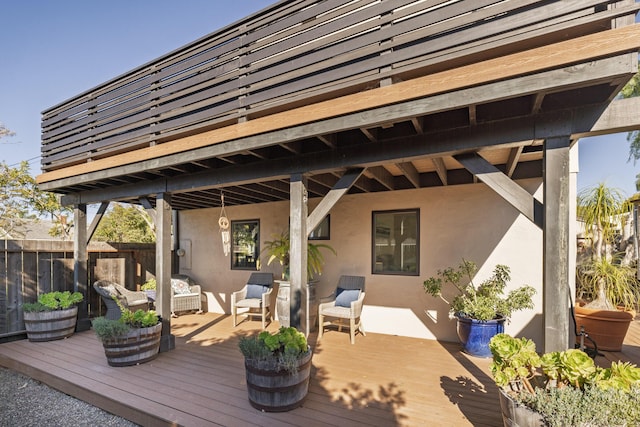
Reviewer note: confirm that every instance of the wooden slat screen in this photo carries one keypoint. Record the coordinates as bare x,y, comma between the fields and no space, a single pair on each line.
29,268
297,52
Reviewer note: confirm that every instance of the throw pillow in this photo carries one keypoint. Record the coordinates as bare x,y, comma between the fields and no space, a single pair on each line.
344,297
180,287
255,291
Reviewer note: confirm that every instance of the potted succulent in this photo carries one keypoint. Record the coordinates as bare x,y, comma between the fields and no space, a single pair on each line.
132,339
277,369
52,317
482,310
608,289
563,388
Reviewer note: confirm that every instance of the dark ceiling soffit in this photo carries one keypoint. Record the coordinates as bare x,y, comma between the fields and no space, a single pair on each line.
504,134
555,80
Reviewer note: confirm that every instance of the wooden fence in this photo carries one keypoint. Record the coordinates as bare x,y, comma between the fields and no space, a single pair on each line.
31,267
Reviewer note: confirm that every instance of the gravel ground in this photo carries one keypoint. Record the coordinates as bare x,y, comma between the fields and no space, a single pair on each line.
26,402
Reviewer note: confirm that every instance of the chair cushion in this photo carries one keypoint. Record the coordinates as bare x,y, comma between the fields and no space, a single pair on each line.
344,297
180,287
249,303
256,291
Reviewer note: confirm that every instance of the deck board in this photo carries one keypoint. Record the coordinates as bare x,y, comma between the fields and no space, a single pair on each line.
382,380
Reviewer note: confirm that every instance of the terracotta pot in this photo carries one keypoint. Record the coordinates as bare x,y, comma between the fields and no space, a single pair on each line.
606,327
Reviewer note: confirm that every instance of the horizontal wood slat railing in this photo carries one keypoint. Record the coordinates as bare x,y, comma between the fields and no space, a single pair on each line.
295,53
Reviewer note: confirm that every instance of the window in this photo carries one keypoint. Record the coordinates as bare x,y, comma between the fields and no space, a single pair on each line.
323,230
245,244
395,242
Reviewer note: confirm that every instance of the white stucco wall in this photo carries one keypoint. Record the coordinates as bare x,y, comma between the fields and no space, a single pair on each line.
465,221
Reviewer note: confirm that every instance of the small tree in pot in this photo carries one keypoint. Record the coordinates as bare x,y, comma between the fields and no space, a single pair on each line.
480,310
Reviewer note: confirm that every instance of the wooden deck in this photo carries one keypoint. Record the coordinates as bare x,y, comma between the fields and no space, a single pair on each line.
382,380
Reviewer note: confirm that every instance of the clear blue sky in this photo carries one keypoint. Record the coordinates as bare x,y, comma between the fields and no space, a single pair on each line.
53,50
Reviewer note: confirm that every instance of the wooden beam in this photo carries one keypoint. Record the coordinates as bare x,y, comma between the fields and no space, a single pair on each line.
558,335
418,124
146,204
163,269
556,55
512,161
328,201
381,175
441,169
515,195
96,220
80,265
371,134
329,140
555,78
410,172
298,252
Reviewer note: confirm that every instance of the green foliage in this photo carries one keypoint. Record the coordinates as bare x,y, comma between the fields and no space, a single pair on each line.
566,387
22,200
279,351
603,278
278,249
108,329
149,285
125,224
484,302
599,207
54,301
618,282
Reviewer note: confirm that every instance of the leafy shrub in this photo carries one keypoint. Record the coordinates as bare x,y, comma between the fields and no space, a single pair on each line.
485,301
278,351
53,301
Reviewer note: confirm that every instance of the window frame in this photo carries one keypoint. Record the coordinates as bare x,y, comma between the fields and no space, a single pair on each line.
257,247
415,211
319,236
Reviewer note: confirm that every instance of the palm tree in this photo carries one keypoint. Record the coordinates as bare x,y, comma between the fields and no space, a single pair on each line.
600,208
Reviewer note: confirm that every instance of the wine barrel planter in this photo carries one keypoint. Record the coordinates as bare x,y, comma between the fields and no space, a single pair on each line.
278,391
140,345
606,327
50,325
517,415
476,334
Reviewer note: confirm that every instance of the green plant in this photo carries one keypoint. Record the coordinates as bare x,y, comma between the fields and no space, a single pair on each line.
53,301
278,249
618,282
149,285
279,351
566,387
109,329
604,278
484,302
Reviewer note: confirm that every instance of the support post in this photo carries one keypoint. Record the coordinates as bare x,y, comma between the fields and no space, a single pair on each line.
163,269
80,277
556,242
298,253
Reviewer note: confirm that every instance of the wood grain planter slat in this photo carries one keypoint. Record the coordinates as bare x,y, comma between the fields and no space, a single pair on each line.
138,346
278,391
50,325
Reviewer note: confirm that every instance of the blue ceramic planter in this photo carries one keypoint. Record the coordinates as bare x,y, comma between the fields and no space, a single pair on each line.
476,334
